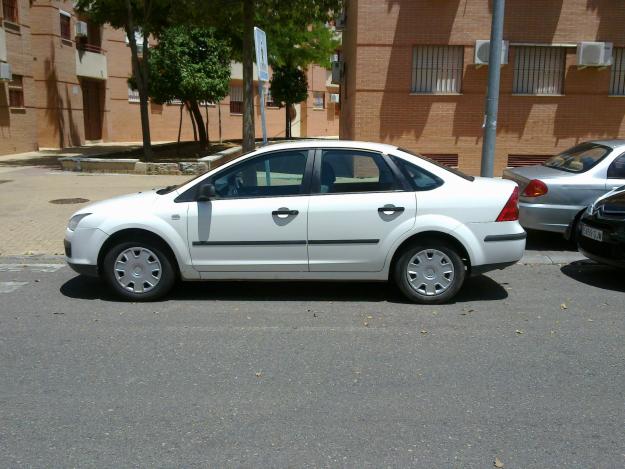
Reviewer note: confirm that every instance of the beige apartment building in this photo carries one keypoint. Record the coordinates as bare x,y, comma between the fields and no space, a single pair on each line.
64,83
412,76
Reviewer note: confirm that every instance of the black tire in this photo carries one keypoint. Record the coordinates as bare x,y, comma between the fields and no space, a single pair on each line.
452,257
162,287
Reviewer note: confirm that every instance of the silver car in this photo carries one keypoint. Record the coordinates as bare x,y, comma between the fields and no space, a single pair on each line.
556,193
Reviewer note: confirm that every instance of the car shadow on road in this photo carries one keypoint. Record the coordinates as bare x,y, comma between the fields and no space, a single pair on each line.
480,288
595,275
547,241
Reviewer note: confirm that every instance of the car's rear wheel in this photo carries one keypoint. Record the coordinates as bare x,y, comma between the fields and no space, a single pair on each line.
429,272
138,271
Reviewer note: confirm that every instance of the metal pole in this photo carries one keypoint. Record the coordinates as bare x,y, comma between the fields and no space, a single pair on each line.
261,92
492,99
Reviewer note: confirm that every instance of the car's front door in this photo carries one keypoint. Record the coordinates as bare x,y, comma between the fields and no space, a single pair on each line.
358,210
258,219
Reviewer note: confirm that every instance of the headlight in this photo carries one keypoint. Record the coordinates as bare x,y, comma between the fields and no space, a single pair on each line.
73,222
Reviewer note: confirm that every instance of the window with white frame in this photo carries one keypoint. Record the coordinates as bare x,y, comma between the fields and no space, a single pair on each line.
617,72
236,99
437,69
539,70
133,95
319,100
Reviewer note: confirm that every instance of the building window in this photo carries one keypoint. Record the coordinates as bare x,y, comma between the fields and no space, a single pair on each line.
133,95
65,25
319,100
539,70
269,99
617,78
236,100
16,92
9,9
437,69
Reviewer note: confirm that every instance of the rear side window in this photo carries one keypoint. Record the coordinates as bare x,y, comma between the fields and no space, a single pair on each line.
344,171
419,178
578,159
436,163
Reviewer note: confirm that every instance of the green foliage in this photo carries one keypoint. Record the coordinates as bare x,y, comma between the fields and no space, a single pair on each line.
149,16
288,85
190,64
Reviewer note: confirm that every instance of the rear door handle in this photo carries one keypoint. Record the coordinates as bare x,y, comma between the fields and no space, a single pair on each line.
390,209
284,212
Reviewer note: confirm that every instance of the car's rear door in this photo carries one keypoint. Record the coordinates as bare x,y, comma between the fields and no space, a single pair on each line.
358,208
258,220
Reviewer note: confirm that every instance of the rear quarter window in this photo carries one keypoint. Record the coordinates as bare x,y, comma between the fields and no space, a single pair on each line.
419,178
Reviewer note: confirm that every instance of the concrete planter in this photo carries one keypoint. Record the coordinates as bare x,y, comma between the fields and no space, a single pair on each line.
98,165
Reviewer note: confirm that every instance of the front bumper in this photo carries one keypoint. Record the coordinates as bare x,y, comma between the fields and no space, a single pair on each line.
85,269
82,248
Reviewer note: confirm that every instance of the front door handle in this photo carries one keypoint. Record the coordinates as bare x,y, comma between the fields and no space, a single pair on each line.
390,208
284,212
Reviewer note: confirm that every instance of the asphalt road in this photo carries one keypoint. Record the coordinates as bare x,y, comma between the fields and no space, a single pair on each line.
527,366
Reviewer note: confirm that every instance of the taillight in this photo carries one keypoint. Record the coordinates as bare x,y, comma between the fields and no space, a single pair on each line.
535,188
510,211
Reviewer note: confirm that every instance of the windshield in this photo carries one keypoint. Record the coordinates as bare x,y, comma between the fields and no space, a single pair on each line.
578,159
442,166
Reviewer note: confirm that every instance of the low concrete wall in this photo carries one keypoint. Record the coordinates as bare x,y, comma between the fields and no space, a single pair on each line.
131,165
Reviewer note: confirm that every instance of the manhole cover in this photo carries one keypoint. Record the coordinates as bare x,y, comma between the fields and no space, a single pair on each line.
77,200
2,181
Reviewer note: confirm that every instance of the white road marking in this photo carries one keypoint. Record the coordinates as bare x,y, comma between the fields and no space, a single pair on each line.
8,287
30,267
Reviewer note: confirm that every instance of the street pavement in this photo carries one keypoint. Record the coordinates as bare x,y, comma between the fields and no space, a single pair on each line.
526,366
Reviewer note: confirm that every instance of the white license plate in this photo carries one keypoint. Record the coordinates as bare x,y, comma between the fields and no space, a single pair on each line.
592,233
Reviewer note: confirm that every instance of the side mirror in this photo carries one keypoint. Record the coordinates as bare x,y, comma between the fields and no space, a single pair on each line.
207,192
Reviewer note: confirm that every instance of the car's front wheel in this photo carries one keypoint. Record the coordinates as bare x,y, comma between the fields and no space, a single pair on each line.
138,271
429,272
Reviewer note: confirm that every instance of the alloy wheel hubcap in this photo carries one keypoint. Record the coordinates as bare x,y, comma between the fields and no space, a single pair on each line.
138,270
430,272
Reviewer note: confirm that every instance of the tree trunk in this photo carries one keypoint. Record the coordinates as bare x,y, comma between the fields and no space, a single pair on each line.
208,139
179,129
140,72
248,75
192,122
287,129
220,135
199,121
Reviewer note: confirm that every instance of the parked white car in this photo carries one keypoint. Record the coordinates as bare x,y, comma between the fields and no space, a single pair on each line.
309,210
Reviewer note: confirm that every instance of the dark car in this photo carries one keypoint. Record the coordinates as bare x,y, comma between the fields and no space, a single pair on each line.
601,231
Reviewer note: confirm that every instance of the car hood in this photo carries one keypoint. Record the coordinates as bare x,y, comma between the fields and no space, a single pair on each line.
137,201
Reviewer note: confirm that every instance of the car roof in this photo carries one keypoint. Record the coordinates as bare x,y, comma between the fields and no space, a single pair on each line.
612,143
329,143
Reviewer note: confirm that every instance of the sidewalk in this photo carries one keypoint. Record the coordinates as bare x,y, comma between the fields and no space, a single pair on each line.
31,225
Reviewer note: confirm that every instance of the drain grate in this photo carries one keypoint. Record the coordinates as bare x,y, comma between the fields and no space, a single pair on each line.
2,181
77,200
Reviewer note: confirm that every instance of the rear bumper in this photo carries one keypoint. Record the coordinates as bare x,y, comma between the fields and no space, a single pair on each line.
546,217
497,245
482,269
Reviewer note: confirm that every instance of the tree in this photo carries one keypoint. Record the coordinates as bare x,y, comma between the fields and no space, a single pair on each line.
288,86
193,65
278,18
140,19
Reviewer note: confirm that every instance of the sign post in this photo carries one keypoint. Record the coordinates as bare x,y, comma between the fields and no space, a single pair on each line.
260,40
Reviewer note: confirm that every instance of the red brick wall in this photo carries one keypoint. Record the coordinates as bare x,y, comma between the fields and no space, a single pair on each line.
378,45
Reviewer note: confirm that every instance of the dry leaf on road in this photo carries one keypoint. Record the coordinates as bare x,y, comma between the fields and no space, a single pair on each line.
498,462
563,306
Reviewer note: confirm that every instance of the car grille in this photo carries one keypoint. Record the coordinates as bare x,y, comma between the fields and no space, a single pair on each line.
68,248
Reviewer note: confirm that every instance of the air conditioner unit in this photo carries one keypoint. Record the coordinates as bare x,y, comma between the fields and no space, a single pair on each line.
5,72
482,52
81,28
337,72
334,98
340,21
594,54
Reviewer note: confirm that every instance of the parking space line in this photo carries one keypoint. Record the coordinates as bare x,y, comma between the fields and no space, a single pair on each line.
30,267
8,287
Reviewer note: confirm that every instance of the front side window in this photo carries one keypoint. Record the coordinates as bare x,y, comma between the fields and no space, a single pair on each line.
344,171
617,168
419,178
270,175
539,70
578,159
437,69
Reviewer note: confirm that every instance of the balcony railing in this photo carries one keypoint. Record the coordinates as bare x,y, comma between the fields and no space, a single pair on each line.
82,46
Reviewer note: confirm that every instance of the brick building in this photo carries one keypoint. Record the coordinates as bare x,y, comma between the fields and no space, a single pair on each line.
410,77
69,86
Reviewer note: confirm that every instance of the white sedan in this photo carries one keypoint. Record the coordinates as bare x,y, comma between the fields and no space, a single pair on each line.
310,210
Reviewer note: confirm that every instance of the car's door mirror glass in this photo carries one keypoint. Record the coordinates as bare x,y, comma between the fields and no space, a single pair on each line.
206,192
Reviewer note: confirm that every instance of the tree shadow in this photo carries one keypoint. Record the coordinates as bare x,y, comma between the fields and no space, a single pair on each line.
480,288
596,275
611,19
